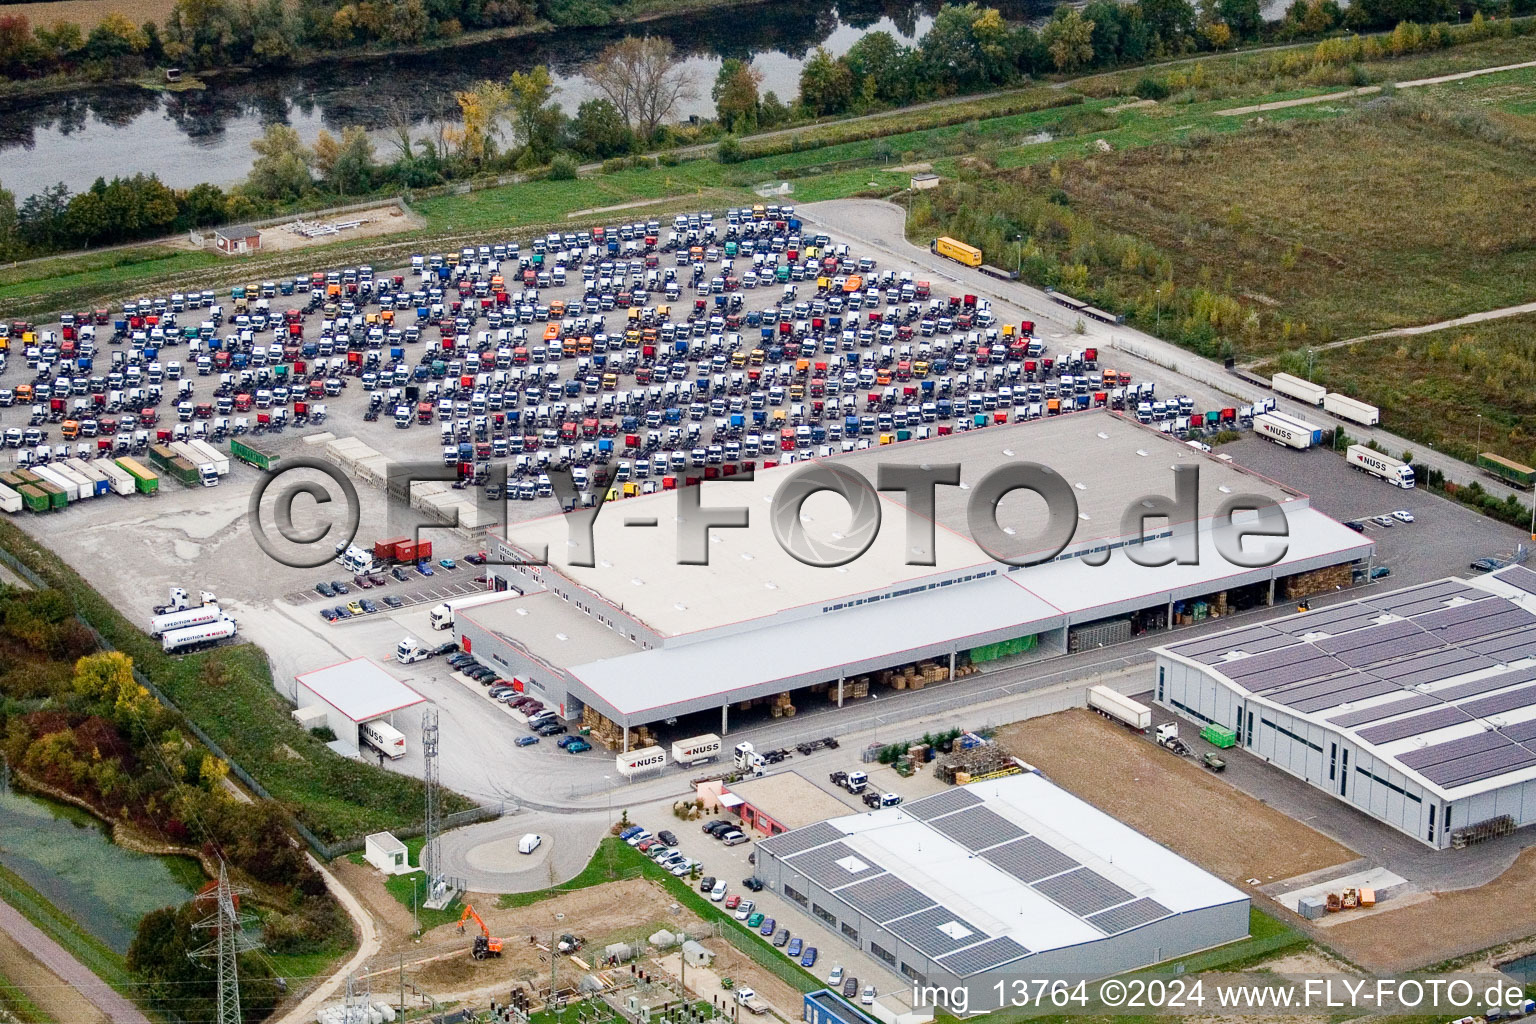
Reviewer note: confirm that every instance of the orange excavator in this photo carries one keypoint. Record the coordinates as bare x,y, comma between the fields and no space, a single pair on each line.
485,945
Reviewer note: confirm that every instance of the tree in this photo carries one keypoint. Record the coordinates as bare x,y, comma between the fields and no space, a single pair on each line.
826,84
481,109
1171,22
115,37
1242,16
735,95
8,239
644,79
40,220
1069,39
599,131
536,123
772,110
201,205
62,40
968,47
346,165
877,58
281,169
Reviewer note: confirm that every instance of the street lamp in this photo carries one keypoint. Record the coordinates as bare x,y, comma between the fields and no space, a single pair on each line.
610,799
1019,252
1479,431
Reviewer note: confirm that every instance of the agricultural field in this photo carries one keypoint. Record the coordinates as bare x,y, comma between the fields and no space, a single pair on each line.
86,13
1466,389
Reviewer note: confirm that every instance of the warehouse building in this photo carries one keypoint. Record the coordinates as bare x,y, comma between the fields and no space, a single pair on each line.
1416,706
1010,877
638,638
350,694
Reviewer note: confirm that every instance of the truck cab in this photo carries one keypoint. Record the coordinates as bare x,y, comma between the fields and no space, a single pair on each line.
409,651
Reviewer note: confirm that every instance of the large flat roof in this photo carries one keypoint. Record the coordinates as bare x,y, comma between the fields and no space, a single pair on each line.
1031,600
1438,680
982,876
789,798
1111,463
360,689
549,629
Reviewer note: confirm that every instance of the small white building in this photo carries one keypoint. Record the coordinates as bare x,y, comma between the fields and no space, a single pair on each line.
352,693
924,181
388,854
696,955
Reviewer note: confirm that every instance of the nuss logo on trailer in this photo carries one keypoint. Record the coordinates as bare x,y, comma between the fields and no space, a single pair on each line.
643,760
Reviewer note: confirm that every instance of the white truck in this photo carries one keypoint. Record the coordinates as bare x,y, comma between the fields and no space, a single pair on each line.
747,998
441,616
409,651
1346,408
1119,707
1369,460
201,616
696,750
358,561
193,637
383,737
1287,430
207,468
218,459
1295,387
747,759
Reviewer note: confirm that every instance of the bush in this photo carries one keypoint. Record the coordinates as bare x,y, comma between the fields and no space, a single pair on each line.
562,168
729,150
1150,89
614,164
670,159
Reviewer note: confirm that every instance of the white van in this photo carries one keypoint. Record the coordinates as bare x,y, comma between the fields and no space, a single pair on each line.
529,843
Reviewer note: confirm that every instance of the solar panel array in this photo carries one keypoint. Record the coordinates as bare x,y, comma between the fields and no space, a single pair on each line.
1130,915
943,803
1029,859
829,866
1409,643
984,956
1083,891
977,828
786,843
936,931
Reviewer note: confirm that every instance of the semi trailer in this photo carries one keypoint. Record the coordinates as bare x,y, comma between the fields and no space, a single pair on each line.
1301,390
1115,705
1287,430
1369,460
194,637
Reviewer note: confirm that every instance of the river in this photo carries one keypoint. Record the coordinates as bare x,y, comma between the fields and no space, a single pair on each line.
68,856
205,135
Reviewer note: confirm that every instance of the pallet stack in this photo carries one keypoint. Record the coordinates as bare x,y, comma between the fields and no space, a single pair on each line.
915,676
604,730
1333,577
782,707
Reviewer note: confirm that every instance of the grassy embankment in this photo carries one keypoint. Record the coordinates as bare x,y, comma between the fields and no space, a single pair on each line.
228,692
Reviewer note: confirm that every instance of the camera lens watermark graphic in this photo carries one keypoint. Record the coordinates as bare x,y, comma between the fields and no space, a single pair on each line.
315,546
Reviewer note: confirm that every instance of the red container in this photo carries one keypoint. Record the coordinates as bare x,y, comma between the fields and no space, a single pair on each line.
384,550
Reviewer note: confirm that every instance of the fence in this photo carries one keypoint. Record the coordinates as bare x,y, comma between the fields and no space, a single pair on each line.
323,850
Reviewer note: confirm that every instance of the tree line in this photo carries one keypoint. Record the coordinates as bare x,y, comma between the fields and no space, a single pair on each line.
74,719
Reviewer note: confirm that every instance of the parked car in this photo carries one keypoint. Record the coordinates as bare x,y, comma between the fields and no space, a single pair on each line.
850,987
448,648
551,729
526,741
769,926
732,902
341,613
393,601
835,978
577,746
734,838
399,573
718,892
329,614
425,568
793,950
754,919
447,563
1383,521
361,582
667,837
631,830
324,589
368,606
780,937
339,587
868,998
706,883
1402,515
1356,525
717,826
1381,572
744,909
753,883
478,558
808,959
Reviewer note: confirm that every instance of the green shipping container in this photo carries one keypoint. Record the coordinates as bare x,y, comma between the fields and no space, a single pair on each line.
12,480
1506,469
145,482
56,496
1218,736
34,499
183,470
27,476
254,456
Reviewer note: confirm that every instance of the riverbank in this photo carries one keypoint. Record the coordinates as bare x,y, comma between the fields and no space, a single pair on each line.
639,12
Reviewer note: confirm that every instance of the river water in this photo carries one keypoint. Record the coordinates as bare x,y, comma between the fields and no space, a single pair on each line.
67,856
205,135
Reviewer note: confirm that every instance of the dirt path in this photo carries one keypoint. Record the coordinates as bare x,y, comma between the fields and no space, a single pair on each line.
1367,90
1172,800
1443,325
368,945
52,995
100,1001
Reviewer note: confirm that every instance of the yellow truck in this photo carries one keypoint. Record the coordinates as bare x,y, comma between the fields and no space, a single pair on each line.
957,251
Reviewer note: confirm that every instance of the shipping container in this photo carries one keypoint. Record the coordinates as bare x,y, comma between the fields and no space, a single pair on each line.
636,762
1368,460
120,480
249,453
1287,430
1219,736
10,501
1506,469
956,250
34,498
145,481
696,750
1121,708
1295,387
1346,408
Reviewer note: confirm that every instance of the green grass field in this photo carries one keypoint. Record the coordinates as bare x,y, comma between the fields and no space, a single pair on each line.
96,955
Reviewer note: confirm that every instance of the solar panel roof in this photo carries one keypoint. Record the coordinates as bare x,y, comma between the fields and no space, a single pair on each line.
1523,697
1128,915
1235,641
1461,613
1518,576
1365,637
1433,667
1414,725
786,843
884,897
976,828
984,956
1375,654
1521,732
1350,719
1486,684
1480,764
942,803
1029,859
1443,589
1363,691
1328,620
1514,618
1508,649
833,865
936,931
1452,750
1083,891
